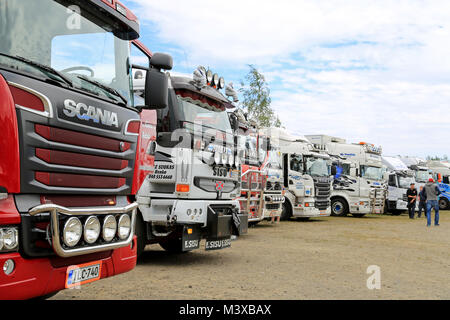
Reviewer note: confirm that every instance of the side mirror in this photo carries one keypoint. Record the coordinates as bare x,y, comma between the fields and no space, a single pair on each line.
266,144
333,170
157,82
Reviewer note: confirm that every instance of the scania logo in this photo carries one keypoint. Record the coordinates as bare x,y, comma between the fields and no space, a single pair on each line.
87,113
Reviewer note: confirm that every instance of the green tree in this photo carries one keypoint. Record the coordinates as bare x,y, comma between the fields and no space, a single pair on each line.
256,99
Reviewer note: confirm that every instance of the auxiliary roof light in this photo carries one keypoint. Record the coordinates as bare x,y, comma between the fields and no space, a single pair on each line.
209,77
221,83
215,81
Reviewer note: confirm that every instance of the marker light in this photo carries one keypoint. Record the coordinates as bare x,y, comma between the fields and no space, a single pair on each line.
8,266
183,188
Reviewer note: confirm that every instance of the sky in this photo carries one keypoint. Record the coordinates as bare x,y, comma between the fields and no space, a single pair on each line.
372,71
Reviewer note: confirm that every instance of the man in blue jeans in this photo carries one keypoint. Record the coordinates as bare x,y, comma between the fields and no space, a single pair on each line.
432,193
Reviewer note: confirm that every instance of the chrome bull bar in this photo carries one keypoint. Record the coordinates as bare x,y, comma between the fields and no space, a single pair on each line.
56,210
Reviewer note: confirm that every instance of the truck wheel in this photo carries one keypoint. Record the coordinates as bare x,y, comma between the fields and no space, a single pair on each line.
172,245
443,204
286,213
141,234
339,207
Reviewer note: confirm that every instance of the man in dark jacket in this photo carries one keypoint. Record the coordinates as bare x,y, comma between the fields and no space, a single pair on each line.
432,192
422,203
412,196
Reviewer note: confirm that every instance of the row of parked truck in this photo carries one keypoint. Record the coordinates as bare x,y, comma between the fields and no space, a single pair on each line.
104,151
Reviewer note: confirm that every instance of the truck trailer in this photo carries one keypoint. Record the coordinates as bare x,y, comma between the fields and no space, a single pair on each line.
69,144
191,178
441,174
358,189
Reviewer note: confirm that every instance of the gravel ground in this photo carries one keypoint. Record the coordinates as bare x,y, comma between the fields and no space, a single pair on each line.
324,258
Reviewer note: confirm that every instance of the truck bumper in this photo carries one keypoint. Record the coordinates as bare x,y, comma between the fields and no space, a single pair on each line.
306,212
38,277
212,215
359,207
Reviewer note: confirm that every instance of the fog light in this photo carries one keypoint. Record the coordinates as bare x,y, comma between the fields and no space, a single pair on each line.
91,229
8,266
72,232
109,228
124,227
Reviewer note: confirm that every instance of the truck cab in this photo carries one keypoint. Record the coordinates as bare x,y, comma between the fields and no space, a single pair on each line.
359,187
193,175
399,178
68,119
306,177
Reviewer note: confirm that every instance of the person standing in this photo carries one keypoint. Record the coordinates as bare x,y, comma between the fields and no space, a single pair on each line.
432,191
422,203
412,196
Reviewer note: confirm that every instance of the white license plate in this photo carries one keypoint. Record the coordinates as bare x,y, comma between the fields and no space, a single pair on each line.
218,244
84,273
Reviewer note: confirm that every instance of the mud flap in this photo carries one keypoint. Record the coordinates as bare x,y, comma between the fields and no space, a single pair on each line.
190,239
240,223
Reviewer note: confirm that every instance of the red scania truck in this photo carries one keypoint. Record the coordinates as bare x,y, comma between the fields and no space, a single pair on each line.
68,144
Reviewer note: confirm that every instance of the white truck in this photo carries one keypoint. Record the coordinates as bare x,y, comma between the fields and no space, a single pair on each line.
191,170
306,177
399,178
358,186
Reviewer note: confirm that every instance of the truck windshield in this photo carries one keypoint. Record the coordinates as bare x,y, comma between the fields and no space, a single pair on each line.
422,176
317,167
196,112
373,173
274,159
405,182
56,40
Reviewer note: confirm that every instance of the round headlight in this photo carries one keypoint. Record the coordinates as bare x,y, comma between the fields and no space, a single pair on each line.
91,229
209,76
124,227
224,158
217,157
215,80
109,228
72,232
230,160
221,83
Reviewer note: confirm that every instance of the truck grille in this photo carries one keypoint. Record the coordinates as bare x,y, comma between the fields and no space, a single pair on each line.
62,161
323,192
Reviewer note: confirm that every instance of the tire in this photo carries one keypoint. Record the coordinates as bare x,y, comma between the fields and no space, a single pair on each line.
253,223
339,207
173,245
286,214
443,204
141,234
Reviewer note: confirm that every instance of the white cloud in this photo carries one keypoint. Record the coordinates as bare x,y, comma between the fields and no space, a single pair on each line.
365,70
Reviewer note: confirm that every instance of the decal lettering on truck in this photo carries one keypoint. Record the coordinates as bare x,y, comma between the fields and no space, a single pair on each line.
84,112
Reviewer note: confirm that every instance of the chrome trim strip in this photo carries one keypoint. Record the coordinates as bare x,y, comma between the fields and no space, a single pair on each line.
125,131
47,103
55,210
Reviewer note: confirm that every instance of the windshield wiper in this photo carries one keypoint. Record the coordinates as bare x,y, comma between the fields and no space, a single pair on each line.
104,87
40,66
